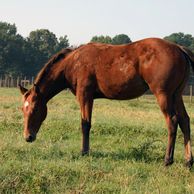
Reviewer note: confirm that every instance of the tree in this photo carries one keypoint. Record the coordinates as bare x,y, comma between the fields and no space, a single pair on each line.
62,43
118,39
43,45
102,39
44,41
182,39
11,50
7,29
192,46
121,39
20,56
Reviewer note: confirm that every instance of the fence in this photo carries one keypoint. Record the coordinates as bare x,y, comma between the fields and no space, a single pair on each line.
10,82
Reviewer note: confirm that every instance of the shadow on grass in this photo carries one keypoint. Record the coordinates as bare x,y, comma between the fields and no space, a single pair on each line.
144,152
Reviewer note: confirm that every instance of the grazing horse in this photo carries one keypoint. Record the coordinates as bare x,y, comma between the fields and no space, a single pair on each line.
117,72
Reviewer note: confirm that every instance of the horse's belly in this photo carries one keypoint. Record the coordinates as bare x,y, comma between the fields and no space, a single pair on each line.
129,89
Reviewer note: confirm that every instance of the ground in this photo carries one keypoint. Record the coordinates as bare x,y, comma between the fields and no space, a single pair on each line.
128,142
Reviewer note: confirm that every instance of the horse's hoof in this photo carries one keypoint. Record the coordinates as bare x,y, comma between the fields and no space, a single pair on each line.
189,163
168,162
85,153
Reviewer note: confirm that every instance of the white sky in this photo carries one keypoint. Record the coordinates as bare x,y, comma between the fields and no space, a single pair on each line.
82,19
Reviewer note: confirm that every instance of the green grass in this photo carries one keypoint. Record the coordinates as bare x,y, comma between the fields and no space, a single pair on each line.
128,142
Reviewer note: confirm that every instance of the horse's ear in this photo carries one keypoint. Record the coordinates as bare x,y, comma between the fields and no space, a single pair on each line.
22,89
36,89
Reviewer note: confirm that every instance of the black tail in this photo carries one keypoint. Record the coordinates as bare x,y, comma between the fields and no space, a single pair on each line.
189,55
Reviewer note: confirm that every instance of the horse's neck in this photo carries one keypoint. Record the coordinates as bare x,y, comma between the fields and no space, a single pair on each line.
52,83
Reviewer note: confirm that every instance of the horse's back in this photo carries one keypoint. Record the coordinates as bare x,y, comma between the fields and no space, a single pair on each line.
127,71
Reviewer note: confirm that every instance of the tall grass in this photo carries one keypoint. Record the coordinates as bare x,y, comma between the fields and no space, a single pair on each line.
128,142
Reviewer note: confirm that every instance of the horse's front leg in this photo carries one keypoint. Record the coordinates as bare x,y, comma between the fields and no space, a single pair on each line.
86,103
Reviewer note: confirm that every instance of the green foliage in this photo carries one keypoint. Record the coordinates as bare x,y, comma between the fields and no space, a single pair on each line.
63,43
12,50
44,41
128,142
118,39
121,39
7,29
43,44
186,40
102,39
20,56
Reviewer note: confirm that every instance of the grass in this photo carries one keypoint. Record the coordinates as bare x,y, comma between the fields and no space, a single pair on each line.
128,142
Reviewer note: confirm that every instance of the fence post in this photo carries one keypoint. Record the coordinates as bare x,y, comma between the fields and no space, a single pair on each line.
32,81
191,93
5,82
25,81
17,82
12,82
8,82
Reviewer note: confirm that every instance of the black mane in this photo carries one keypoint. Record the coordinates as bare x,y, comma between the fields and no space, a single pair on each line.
55,58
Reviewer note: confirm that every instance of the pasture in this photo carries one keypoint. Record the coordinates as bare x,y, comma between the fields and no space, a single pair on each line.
128,142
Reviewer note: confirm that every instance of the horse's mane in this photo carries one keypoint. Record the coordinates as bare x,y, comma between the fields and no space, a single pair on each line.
55,58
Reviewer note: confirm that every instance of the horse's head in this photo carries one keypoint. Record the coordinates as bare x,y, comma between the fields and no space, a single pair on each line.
34,110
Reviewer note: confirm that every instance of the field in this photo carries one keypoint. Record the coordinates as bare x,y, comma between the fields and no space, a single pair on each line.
128,142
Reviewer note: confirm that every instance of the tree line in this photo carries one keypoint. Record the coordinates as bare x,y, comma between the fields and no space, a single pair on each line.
21,56
25,56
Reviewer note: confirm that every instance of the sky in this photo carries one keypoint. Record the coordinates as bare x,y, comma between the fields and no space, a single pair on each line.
80,20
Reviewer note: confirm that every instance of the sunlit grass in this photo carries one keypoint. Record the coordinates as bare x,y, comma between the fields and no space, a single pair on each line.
128,142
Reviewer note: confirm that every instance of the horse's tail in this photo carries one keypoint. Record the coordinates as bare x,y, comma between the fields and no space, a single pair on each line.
189,55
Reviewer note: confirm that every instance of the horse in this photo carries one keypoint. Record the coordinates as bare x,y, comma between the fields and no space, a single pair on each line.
120,72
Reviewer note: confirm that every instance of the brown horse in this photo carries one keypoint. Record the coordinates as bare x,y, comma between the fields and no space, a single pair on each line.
115,72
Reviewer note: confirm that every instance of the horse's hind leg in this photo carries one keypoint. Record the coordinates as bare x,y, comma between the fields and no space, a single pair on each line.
184,123
166,104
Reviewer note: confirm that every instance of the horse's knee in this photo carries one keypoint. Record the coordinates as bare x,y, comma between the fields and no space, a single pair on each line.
174,119
172,122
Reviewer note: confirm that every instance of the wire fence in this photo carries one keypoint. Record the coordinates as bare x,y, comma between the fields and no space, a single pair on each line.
12,82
